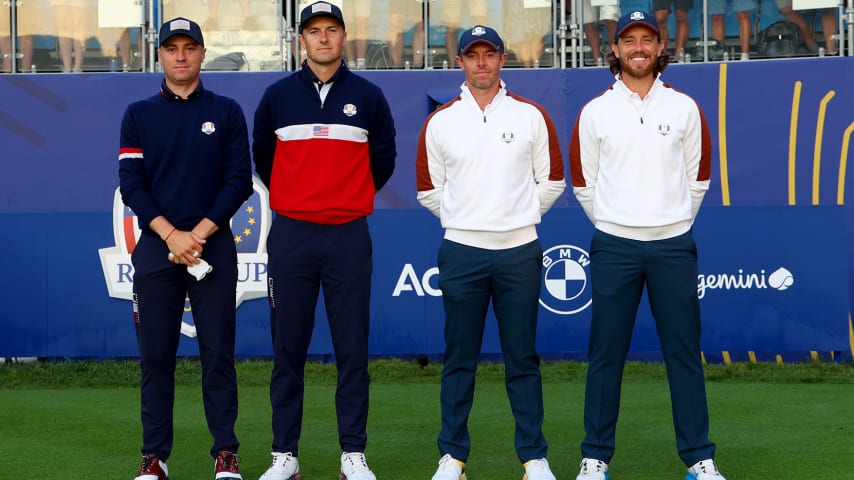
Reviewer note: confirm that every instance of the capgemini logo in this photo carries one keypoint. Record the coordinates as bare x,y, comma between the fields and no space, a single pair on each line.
781,279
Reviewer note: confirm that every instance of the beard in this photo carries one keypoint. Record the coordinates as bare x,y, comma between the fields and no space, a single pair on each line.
631,69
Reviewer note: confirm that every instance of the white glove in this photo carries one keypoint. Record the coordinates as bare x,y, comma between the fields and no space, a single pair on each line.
200,269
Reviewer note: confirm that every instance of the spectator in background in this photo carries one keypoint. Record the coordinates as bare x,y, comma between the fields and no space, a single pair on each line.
249,21
26,27
210,9
662,10
356,49
401,12
450,16
74,23
8,55
743,9
591,16
828,26
115,44
524,28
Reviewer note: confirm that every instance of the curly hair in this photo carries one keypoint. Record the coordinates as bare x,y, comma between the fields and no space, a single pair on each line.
660,64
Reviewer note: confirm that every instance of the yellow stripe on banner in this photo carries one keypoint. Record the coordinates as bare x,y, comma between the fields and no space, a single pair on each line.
722,134
819,134
814,356
703,355
752,356
727,360
793,139
843,164
850,334
779,359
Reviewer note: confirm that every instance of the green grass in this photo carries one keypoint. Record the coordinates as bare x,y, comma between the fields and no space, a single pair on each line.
80,420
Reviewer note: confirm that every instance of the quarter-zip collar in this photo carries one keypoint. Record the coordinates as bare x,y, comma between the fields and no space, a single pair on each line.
322,88
634,99
470,101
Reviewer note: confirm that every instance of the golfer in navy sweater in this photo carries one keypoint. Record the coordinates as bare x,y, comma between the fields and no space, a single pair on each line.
324,145
184,169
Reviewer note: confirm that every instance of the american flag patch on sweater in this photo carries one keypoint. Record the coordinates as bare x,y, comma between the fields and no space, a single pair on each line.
320,131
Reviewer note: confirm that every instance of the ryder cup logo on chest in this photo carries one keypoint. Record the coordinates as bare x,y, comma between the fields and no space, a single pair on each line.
208,128
350,110
566,285
507,137
249,226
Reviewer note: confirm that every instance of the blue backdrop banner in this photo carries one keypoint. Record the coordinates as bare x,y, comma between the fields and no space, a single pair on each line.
775,259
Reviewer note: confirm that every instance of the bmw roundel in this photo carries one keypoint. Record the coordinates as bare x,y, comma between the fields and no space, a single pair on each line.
566,280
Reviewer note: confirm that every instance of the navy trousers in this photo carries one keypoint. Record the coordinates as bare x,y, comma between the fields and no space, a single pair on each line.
160,288
619,270
302,258
469,278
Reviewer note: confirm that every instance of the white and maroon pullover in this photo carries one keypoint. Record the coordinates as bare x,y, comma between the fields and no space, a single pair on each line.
489,174
640,167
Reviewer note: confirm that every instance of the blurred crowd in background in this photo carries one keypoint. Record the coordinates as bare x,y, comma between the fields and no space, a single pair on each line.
56,36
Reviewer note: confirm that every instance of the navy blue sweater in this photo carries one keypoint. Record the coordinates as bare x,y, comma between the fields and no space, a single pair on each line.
184,159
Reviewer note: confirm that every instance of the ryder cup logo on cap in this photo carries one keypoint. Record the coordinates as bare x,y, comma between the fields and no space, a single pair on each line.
636,18
480,33
181,26
320,9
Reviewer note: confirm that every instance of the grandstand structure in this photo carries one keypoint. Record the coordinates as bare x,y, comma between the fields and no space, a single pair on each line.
261,35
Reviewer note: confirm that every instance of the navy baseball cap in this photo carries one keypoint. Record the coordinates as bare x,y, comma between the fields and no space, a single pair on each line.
320,9
181,26
636,18
480,34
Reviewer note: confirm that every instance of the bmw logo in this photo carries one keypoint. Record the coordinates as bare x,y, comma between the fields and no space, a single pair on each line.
566,280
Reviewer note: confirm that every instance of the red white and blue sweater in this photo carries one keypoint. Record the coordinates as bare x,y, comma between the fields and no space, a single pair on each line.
323,160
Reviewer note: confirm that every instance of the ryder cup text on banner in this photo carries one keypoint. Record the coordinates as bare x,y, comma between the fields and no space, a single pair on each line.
250,226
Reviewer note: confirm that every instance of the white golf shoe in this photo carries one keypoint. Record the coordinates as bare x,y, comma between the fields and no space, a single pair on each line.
537,469
592,469
285,467
450,469
704,470
355,467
